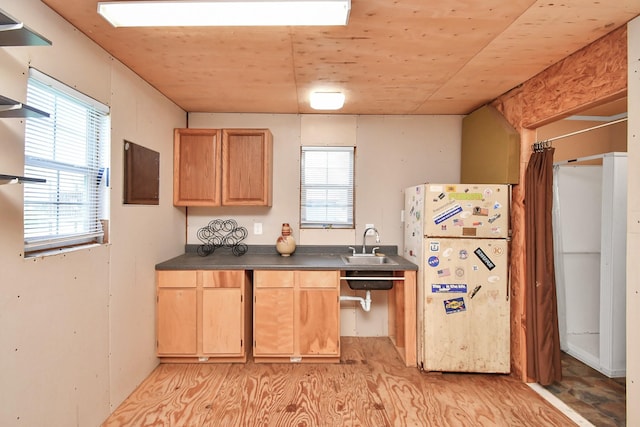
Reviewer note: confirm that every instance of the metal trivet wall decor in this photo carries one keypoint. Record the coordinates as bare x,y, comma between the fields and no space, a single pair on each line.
222,233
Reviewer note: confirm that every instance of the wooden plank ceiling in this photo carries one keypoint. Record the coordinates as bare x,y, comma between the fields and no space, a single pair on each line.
393,57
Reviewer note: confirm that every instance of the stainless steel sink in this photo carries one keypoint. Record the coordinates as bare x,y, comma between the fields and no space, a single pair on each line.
367,259
371,280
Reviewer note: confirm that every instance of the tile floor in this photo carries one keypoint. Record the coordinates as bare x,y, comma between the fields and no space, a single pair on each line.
599,399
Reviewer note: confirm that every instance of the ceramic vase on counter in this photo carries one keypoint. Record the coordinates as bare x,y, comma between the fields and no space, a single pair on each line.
286,244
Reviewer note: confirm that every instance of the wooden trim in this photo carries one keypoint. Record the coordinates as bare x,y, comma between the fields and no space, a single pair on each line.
402,311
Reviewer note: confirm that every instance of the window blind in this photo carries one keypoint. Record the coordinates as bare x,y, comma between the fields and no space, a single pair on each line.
70,151
326,190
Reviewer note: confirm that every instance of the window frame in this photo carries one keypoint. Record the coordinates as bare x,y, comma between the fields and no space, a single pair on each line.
326,223
69,209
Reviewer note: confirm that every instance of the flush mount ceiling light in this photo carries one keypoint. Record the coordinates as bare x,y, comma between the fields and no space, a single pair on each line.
225,13
327,100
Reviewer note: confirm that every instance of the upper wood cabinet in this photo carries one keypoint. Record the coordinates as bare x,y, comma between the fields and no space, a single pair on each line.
228,167
196,167
247,167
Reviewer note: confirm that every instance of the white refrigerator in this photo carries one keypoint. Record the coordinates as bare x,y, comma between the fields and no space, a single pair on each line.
457,234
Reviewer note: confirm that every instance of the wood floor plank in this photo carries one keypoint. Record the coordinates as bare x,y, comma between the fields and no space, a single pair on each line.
400,387
351,351
252,393
172,395
348,396
369,387
455,399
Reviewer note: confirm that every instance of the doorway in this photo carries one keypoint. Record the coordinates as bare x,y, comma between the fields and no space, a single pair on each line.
582,162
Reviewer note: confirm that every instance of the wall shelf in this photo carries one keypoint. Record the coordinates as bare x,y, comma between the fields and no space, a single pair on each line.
16,179
14,109
14,33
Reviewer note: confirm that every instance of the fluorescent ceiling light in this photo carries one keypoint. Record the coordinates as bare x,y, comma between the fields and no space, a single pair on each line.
327,100
225,13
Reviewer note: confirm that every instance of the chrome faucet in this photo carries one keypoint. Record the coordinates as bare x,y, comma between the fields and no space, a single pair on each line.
364,238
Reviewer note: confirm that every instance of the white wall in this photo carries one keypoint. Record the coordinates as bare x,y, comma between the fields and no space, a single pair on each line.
77,329
392,153
633,225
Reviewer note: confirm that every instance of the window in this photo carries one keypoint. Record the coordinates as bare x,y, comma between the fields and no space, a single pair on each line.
326,193
70,150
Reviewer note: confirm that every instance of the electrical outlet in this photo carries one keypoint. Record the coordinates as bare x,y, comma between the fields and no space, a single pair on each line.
370,232
257,228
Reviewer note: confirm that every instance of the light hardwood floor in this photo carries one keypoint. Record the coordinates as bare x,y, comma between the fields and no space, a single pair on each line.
370,387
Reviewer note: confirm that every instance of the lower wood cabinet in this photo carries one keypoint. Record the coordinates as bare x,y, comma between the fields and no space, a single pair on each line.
296,316
203,315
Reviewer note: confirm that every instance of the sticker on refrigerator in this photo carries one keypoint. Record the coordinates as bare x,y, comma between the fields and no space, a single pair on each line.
433,261
434,246
451,288
493,218
452,211
466,196
478,211
485,259
475,291
469,232
444,272
454,305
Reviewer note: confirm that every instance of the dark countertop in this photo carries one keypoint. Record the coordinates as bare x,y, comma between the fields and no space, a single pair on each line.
259,257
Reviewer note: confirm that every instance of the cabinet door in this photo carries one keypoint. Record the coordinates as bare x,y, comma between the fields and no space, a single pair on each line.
319,320
273,321
196,167
176,321
247,167
222,321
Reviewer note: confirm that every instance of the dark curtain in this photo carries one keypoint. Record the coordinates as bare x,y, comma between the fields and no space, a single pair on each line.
543,336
